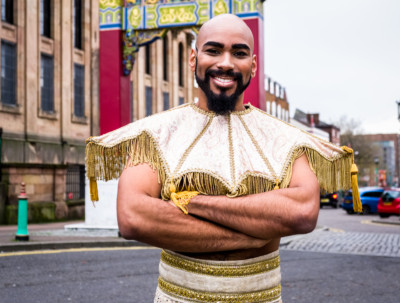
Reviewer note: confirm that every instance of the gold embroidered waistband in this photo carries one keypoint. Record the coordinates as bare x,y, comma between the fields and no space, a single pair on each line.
220,270
268,295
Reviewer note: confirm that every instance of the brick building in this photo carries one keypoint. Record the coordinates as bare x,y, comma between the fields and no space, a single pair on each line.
312,123
49,95
387,159
276,103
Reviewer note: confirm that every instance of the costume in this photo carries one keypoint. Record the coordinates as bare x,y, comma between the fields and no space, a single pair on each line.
184,279
242,153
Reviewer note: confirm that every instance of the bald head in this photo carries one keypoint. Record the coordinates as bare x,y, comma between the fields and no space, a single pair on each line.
230,25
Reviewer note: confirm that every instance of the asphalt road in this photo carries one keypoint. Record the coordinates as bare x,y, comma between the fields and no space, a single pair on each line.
310,271
130,276
339,219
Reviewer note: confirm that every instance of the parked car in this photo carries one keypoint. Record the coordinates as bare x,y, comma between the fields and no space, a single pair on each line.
369,200
389,203
330,199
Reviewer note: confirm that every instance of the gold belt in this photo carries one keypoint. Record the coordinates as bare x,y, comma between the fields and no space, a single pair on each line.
220,270
268,295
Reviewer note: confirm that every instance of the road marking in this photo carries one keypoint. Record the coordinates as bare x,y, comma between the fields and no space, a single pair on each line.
377,223
336,230
57,251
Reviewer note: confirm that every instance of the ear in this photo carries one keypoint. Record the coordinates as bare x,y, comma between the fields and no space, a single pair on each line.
254,66
192,60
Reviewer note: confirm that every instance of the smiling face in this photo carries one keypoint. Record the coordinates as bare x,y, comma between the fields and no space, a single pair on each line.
223,63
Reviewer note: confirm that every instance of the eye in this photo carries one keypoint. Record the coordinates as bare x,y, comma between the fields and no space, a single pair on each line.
240,54
212,51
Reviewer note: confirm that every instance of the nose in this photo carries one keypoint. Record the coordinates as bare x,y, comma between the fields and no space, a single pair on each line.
225,62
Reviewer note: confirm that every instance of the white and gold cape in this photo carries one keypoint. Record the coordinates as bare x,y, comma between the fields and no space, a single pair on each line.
241,153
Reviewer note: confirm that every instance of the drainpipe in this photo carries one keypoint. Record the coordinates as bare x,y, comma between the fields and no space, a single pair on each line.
1,135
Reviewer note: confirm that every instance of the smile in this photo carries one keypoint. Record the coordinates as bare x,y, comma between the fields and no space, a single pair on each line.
225,82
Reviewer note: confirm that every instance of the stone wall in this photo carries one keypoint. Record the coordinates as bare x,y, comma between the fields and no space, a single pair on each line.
45,187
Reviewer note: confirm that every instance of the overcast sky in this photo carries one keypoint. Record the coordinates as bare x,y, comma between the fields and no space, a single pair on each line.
336,58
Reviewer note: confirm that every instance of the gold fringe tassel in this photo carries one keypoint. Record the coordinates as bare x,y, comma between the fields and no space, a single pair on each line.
94,194
107,163
357,206
182,199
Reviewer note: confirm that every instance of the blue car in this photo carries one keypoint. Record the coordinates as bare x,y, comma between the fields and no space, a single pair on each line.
369,200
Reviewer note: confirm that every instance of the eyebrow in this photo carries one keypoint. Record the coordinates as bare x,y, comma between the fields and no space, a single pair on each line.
240,46
221,45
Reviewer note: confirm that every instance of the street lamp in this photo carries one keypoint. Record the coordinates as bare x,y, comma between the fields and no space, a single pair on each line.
376,161
398,109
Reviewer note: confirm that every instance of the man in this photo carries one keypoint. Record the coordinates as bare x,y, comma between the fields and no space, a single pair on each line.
198,180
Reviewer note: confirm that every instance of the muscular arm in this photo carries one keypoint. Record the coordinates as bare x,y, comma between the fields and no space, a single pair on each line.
273,214
143,216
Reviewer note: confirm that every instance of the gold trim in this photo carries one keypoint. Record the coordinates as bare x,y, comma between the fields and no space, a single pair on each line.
220,270
202,111
192,145
259,150
248,108
268,295
231,156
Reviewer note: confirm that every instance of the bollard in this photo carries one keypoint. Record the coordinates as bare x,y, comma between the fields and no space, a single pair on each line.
22,232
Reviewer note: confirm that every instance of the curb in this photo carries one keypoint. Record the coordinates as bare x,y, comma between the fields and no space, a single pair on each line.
388,222
67,245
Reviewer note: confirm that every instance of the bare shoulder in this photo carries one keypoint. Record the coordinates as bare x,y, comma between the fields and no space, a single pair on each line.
139,179
302,174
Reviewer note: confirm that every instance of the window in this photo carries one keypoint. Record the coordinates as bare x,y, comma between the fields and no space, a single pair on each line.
181,60
181,100
8,73
372,194
147,59
166,100
149,101
77,25
75,182
79,90
47,83
45,18
389,196
7,11
165,58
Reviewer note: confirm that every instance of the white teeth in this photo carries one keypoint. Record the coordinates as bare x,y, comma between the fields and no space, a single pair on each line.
223,80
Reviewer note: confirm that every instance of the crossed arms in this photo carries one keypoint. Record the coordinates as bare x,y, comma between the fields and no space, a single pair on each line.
215,223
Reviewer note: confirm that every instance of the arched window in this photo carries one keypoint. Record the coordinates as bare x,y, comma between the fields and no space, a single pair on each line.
181,60
165,58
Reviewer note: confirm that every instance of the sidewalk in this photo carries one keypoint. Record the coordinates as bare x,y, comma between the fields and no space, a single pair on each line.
56,236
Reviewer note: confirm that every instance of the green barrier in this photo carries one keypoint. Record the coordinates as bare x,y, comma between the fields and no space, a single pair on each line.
22,232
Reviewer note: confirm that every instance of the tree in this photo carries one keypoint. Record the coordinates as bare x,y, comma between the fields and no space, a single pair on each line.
366,152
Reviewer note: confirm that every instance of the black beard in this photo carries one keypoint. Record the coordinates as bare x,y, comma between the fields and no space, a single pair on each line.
221,104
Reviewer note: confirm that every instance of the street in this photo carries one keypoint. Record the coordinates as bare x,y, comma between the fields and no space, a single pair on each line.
355,261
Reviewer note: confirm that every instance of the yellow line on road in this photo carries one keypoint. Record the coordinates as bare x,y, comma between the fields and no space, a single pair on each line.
57,251
377,223
336,230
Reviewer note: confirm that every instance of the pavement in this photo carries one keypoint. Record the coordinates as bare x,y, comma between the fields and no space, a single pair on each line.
66,235
60,235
